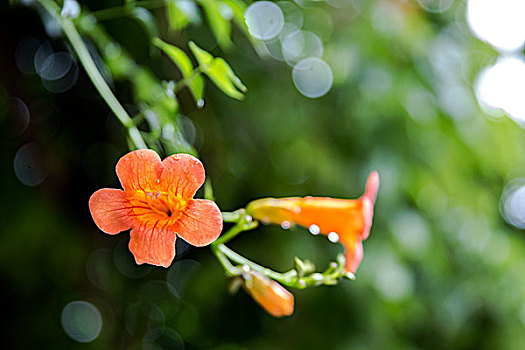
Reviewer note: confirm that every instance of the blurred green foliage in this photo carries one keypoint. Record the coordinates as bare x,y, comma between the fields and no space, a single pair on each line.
441,268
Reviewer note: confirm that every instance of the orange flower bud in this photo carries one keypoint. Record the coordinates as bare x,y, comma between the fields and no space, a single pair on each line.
347,221
272,297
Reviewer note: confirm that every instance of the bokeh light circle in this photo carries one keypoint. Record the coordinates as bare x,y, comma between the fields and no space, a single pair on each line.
20,115
500,23
312,77
56,65
501,86
29,165
292,13
42,57
264,19
436,6
180,274
125,262
300,44
393,281
512,203
81,321
25,55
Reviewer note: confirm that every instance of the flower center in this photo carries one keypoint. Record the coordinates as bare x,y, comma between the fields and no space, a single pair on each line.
163,204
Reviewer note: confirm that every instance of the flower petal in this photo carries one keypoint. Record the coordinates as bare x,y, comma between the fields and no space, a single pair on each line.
368,215
372,186
354,254
110,210
200,224
139,170
152,244
183,174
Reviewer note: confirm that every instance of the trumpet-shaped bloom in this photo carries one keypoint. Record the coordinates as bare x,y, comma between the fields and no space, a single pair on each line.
157,204
272,297
343,220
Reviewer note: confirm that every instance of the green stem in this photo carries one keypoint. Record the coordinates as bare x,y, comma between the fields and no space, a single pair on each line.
187,81
244,222
303,275
287,278
231,216
229,235
92,71
230,270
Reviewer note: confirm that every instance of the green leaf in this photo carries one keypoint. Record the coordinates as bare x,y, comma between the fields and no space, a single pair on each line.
194,81
219,25
223,76
219,71
174,142
177,19
238,9
179,57
303,267
146,19
203,57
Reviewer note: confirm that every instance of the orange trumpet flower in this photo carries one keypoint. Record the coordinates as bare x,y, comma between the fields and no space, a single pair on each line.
272,297
343,220
157,203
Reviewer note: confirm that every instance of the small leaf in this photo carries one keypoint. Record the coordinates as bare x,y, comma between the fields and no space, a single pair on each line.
203,57
219,71
219,25
303,267
174,142
238,9
146,19
179,57
177,19
228,71
194,82
222,75
208,190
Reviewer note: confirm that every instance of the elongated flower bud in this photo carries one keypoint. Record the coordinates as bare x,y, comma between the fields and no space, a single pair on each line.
272,297
347,221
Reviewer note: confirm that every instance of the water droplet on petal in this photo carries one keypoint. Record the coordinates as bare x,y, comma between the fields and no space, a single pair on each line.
200,103
297,209
246,268
248,218
333,237
314,230
302,283
333,265
285,225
